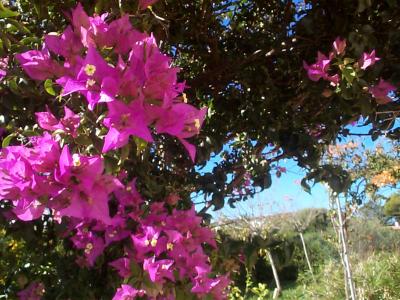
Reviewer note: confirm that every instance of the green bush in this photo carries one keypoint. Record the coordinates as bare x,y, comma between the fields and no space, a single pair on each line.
376,278
328,283
369,236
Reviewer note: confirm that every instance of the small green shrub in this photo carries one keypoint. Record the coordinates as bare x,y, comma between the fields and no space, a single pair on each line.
376,278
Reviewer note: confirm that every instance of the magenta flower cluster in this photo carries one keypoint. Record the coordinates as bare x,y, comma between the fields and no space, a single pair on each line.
141,90
34,291
320,70
3,67
46,176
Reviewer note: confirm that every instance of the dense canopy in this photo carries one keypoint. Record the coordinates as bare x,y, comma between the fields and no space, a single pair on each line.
274,83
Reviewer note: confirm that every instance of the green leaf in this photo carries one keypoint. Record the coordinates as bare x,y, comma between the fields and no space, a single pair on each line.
7,140
349,74
348,60
110,164
29,41
306,187
140,145
18,25
125,153
179,294
135,269
29,132
218,201
84,140
48,86
7,13
13,85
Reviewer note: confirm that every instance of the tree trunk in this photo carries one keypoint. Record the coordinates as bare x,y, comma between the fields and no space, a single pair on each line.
306,255
344,250
278,288
336,229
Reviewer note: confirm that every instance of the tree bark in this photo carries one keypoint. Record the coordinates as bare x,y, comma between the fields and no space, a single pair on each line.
344,251
336,228
306,255
278,288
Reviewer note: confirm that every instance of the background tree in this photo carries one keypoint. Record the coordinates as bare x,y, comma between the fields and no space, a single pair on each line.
392,206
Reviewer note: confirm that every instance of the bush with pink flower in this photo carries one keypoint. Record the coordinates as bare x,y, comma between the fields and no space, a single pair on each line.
124,79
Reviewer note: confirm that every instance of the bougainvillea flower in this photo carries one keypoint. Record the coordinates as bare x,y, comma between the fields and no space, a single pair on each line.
339,45
69,123
154,70
172,199
34,291
159,270
219,292
93,249
97,32
47,120
381,91
21,184
143,4
184,220
91,30
126,292
28,210
182,121
83,233
149,241
3,74
157,217
3,67
80,18
96,80
368,59
14,173
77,165
123,266
39,65
174,236
122,36
85,186
129,195
334,80
91,244
85,205
176,245
160,76
319,69
67,45
198,261
45,153
116,233
204,285
132,78
205,235
216,287
124,120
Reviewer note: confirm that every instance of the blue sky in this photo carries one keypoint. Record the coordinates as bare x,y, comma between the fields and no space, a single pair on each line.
286,193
